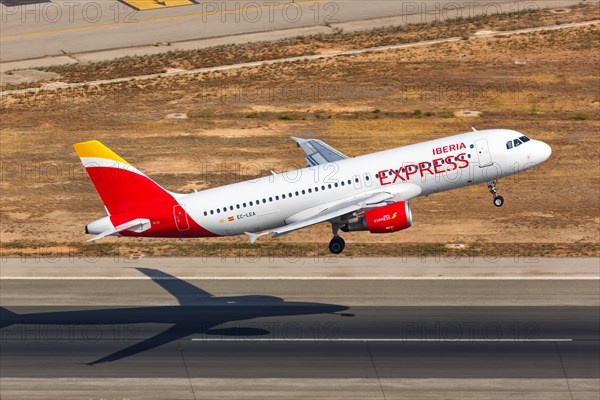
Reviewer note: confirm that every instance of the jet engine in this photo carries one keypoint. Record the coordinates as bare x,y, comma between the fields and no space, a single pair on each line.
391,218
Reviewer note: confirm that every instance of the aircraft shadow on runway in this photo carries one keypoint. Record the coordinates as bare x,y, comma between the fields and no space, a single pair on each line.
198,312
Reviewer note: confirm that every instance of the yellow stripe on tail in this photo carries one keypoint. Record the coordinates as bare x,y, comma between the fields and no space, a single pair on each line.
94,148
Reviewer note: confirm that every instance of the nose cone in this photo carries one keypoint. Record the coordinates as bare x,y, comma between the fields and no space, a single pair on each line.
544,151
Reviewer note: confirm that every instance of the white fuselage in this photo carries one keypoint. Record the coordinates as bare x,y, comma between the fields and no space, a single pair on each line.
428,167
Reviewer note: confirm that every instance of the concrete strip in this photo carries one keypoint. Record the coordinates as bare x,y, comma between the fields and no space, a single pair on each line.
202,44
289,59
309,268
112,54
295,388
363,293
36,63
303,278
118,26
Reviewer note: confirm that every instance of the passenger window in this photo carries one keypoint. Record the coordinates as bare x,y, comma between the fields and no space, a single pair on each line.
244,204
205,213
251,204
276,197
211,212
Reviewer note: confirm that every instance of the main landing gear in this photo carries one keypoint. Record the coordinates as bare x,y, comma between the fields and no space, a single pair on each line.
498,200
337,244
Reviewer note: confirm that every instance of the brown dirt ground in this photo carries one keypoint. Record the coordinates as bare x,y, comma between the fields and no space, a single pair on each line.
240,122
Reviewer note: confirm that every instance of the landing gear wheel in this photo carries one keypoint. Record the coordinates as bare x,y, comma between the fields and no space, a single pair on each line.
337,244
498,201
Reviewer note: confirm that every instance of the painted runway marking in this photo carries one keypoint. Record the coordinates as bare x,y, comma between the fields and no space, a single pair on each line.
383,340
141,5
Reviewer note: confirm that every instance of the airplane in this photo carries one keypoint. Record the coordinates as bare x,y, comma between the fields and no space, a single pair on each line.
198,312
371,192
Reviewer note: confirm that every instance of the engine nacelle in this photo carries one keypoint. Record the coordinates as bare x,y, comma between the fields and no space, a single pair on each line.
391,218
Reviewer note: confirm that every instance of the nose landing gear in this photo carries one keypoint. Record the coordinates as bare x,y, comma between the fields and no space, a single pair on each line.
498,200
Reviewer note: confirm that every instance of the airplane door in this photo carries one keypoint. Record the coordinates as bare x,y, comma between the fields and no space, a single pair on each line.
483,152
181,218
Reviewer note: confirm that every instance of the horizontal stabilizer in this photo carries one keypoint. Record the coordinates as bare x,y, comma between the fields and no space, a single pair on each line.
135,224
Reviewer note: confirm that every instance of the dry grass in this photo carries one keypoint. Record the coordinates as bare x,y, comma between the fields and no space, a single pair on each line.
236,130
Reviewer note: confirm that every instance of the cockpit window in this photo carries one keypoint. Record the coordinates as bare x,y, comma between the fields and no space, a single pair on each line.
517,142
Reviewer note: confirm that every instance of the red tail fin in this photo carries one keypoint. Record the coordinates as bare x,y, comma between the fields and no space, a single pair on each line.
120,185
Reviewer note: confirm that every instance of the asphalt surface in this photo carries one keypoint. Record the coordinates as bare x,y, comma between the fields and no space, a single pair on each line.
145,333
303,341
59,27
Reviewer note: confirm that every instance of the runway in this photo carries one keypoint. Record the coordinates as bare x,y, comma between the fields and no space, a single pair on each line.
405,342
71,30
334,336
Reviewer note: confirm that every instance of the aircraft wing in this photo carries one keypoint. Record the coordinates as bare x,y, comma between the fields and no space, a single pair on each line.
318,152
303,224
331,211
